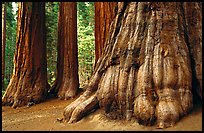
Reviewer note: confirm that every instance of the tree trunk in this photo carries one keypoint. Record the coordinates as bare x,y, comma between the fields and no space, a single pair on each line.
145,72
104,14
29,80
3,41
193,19
67,82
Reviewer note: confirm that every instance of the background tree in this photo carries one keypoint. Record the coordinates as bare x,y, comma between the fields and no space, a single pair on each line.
29,79
3,40
145,71
104,14
67,82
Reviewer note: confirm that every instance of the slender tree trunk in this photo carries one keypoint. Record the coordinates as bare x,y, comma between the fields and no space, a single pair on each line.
145,72
29,80
104,14
3,41
67,82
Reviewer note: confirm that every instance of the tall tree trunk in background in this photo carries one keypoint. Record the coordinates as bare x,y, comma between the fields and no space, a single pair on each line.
193,19
104,14
67,82
145,72
29,80
3,41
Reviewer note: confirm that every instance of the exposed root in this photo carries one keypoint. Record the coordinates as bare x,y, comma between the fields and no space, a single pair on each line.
79,108
70,108
83,108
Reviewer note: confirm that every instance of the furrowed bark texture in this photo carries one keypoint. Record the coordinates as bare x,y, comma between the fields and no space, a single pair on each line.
193,18
145,72
104,14
67,82
29,80
3,41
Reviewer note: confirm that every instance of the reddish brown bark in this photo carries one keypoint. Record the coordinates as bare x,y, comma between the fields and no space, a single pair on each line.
67,82
104,14
29,80
3,40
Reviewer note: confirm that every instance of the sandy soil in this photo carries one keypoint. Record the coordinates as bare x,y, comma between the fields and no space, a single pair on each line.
44,116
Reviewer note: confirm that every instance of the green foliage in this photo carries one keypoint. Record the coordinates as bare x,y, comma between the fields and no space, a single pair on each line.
51,39
2,92
10,41
86,43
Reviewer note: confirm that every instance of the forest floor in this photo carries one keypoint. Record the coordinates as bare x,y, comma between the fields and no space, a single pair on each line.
43,117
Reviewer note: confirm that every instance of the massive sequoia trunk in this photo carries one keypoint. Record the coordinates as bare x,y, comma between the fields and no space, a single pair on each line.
67,82
3,41
104,14
145,72
29,80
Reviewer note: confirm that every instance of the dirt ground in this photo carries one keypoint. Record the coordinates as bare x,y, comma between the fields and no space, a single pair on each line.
43,117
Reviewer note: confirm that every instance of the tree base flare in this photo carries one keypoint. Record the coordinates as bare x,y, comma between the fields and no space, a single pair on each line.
145,70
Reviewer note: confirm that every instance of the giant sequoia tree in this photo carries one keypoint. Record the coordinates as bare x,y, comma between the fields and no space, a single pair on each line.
29,79
67,82
146,70
104,14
